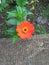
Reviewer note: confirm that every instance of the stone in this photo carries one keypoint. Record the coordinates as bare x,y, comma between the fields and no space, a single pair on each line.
42,20
34,51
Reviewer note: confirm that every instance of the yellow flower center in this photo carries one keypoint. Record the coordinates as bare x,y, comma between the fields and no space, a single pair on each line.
25,29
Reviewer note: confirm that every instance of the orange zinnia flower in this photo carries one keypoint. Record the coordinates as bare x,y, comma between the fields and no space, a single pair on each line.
25,30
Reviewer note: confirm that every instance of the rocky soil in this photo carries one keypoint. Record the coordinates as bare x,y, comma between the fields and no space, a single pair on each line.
34,51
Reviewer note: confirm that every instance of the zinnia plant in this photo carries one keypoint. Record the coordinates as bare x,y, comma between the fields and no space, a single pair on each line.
17,18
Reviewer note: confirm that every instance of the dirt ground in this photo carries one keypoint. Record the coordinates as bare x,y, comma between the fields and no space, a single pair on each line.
34,51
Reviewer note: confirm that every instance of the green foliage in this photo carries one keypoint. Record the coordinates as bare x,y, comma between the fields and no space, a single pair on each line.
40,30
14,38
21,2
11,14
18,15
45,13
12,21
1,8
3,5
11,30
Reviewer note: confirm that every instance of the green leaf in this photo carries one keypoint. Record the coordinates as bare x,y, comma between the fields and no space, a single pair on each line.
26,13
21,2
12,21
18,11
1,8
18,22
11,14
4,3
11,30
14,38
21,13
29,13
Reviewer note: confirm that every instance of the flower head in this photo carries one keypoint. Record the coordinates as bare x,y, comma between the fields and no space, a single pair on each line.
25,29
